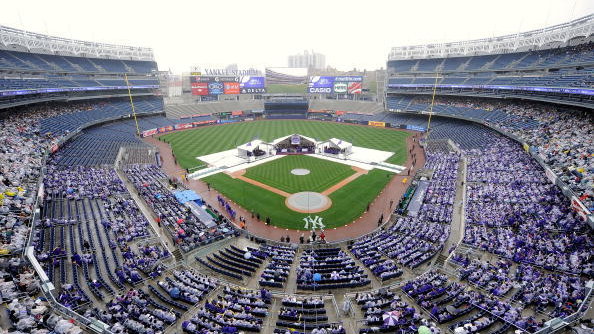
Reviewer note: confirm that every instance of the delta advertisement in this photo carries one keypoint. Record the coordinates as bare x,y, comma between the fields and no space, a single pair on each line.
335,85
252,85
227,85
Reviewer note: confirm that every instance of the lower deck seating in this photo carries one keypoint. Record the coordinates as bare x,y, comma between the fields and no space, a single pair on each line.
329,268
277,271
234,262
233,310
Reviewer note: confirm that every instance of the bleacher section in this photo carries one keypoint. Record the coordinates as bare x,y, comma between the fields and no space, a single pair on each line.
187,110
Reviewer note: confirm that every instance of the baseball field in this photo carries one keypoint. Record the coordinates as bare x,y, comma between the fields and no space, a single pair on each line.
264,189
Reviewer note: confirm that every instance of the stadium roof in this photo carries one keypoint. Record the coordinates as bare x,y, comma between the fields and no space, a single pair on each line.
22,40
550,37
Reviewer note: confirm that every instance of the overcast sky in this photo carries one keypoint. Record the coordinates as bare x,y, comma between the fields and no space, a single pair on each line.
263,33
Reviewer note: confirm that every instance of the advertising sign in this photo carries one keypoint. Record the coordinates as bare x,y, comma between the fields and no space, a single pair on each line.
379,124
199,88
231,87
355,88
415,128
252,82
149,132
213,79
319,90
166,129
216,88
349,78
252,85
319,82
340,87
183,126
211,121
336,85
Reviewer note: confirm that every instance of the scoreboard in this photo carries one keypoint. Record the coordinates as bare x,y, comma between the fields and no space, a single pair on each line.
227,85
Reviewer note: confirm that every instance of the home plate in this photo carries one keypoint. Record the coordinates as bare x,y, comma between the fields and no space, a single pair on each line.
308,202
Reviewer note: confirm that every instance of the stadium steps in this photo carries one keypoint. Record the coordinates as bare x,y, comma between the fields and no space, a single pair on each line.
97,66
177,255
489,63
440,261
514,63
52,65
76,66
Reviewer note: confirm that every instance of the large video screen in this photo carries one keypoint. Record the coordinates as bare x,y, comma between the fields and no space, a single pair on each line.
335,85
227,85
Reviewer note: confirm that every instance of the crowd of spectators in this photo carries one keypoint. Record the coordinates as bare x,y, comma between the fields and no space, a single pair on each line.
523,218
376,304
447,301
278,268
413,240
232,311
563,137
557,294
329,268
134,311
187,230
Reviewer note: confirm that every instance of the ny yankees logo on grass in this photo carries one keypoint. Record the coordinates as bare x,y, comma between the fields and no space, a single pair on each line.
316,223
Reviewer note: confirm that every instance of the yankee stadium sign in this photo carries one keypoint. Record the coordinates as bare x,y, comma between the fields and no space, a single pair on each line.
225,72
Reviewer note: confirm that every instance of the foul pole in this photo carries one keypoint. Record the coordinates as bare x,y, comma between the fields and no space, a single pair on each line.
132,104
431,106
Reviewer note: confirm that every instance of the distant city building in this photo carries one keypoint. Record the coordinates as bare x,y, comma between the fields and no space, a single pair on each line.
231,67
311,60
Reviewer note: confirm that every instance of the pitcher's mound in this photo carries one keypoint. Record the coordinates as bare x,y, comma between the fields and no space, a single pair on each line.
300,171
308,202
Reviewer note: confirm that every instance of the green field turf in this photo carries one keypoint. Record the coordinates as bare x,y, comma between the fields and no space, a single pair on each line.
348,202
277,173
189,144
290,89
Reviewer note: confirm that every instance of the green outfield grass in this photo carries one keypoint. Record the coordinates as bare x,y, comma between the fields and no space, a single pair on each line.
323,173
290,89
189,144
348,202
